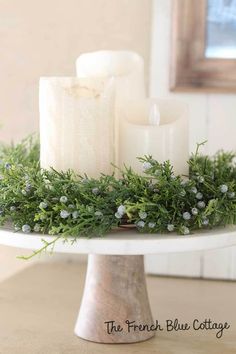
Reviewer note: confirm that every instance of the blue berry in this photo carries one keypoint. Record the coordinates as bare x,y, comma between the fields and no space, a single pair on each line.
98,213
28,187
75,214
95,190
36,228
85,180
199,195
201,204
151,225
24,192
185,230
205,221
64,214
63,199
7,166
140,223
146,166
170,227
184,182
121,209
224,188
231,195
26,228
142,214
194,211
201,179
194,190
43,205
186,215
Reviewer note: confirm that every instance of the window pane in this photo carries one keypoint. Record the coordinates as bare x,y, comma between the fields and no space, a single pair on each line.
221,29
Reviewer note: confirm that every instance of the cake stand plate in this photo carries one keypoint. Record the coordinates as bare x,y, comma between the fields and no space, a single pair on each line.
115,306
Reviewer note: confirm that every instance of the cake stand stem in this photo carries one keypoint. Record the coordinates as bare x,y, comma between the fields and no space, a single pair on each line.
115,290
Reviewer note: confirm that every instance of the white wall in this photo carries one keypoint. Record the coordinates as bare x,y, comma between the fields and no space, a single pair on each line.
212,117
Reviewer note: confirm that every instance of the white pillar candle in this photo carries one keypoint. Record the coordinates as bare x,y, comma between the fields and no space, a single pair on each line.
126,67
77,124
142,135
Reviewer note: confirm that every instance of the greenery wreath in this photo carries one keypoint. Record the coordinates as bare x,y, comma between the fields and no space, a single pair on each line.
65,204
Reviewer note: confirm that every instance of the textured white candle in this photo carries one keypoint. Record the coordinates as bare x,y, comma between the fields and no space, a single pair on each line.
167,141
77,124
127,69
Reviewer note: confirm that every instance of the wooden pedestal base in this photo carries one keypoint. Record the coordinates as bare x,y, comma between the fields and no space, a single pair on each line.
115,290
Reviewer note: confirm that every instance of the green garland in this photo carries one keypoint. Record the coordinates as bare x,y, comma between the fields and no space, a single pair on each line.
64,204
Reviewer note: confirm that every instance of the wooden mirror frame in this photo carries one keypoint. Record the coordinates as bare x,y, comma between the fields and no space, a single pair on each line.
190,70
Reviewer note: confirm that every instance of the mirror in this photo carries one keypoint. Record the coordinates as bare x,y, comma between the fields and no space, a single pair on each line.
203,46
221,29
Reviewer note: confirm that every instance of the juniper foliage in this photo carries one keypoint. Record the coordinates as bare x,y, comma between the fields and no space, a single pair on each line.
65,204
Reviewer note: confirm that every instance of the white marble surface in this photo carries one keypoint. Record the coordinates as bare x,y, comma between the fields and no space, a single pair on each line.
127,242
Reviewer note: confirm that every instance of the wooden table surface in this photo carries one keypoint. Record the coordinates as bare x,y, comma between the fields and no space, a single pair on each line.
38,310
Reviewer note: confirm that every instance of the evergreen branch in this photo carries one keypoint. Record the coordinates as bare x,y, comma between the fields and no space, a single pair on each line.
69,205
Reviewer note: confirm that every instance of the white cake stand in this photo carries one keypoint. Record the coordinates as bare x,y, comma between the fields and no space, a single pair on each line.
115,288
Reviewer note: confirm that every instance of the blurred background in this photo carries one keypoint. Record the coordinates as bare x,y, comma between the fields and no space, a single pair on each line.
45,38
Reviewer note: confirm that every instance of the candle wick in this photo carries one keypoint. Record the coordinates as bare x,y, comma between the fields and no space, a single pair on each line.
154,115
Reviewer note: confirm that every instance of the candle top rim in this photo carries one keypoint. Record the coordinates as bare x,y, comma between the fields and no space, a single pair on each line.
105,63
74,79
113,53
171,111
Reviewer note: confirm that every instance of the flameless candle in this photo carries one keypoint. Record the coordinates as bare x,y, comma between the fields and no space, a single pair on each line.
154,114
155,127
77,124
126,67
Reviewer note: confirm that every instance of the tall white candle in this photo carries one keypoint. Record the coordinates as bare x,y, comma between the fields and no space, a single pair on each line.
167,140
127,68
77,124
